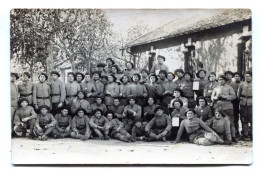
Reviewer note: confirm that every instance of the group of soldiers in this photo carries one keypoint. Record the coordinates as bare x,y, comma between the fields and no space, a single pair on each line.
128,105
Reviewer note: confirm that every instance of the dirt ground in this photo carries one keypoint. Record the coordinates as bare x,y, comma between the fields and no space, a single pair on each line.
72,151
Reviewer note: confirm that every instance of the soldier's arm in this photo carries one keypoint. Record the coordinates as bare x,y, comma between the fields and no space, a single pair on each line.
149,125
16,118
87,134
74,125
169,124
205,126
62,92
180,131
232,94
53,120
33,114
91,123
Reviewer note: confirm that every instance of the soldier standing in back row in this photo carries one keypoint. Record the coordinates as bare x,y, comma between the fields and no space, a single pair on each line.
160,66
72,88
14,96
58,92
42,92
25,88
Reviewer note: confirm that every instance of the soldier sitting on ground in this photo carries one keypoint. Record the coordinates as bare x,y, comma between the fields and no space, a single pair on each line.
100,125
63,127
24,118
80,125
45,123
138,131
117,129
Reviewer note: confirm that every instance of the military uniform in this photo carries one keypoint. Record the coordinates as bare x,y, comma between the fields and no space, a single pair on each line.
158,67
22,113
102,122
58,94
89,88
118,131
138,133
183,99
113,88
41,94
128,115
63,122
99,89
159,125
198,132
41,122
187,89
244,93
221,127
117,110
123,93
149,112
155,91
208,89
204,113
76,104
138,92
26,91
169,86
95,106
80,127
14,100
72,90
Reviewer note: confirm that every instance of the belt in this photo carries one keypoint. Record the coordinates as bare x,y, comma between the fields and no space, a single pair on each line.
55,95
25,95
42,97
248,97
71,95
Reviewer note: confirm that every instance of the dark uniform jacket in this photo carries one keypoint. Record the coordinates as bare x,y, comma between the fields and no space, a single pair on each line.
45,120
21,113
63,121
160,122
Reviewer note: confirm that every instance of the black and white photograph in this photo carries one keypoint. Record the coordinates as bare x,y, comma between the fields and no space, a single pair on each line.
96,86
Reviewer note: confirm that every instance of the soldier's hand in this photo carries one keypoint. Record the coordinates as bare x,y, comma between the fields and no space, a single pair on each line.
60,130
36,107
89,94
25,119
60,105
67,129
118,129
164,133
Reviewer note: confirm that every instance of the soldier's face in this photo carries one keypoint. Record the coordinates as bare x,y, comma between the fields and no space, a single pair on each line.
70,77
42,78
131,101
79,78
104,80
190,114
248,77
150,101
169,76
110,116
80,113
87,77
162,75
125,79
25,77
109,62
221,81
237,77
187,77
202,74
218,115
64,112
160,60
212,78
138,124
144,74
176,93
135,78
114,70
202,102
96,76
159,112
177,105
81,95
229,76
98,114
44,111
116,102
152,79
54,76
110,79
179,74
99,101
24,104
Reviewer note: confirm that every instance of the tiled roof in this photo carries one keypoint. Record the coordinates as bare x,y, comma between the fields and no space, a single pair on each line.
191,25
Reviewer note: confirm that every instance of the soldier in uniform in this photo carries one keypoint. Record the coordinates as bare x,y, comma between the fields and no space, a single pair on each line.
98,105
42,92
58,92
117,109
168,87
154,89
159,128
124,90
202,110
111,90
45,123
117,129
24,118
107,68
160,66
89,88
25,88
130,71
72,88
79,77
162,77
131,112
201,74
144,76
101,69
198,131
138,131
187,89
208,89
99,124
14,96
149,110
80,102
244,93
63,126
80,125
180,74
98,84
222,96
178,95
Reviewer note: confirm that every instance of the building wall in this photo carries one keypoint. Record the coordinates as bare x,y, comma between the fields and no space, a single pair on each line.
215,48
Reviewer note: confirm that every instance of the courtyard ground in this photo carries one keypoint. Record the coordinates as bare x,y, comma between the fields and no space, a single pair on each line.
72,151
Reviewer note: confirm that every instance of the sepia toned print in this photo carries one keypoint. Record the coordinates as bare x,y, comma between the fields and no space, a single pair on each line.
131,86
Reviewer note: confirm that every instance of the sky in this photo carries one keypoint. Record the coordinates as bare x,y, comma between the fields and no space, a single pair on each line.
123,19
